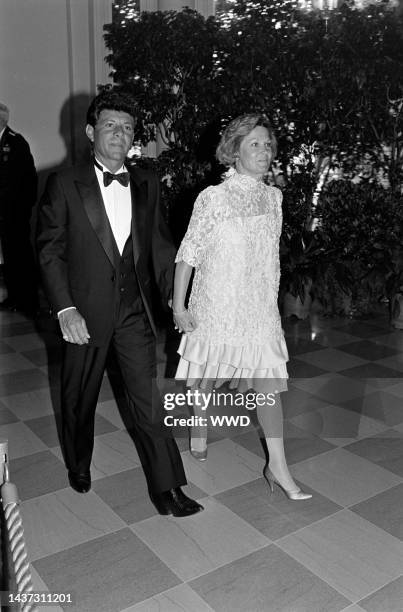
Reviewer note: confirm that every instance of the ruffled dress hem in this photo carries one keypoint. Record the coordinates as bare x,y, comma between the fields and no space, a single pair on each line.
252,366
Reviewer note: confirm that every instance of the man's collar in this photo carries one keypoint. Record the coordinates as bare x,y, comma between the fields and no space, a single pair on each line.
105,169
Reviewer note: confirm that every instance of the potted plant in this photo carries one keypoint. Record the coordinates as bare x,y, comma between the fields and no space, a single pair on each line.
302,262
394,288
301,253
360,226
333,288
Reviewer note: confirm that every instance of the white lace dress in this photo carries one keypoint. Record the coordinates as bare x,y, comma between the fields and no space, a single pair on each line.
233,243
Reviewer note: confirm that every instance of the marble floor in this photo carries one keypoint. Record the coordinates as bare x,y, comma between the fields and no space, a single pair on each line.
248,551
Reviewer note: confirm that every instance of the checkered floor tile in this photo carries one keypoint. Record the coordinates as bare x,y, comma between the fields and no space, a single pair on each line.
249,550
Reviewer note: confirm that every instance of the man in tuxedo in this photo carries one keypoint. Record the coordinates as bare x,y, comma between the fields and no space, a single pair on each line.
18,187
103,244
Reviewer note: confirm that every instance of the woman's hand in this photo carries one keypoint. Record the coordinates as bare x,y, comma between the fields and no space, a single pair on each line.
184,322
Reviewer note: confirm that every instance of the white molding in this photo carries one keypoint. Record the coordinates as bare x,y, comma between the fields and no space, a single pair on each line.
148,5
205,7
102,15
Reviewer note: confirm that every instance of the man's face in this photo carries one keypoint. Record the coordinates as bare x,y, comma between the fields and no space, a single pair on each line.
112,137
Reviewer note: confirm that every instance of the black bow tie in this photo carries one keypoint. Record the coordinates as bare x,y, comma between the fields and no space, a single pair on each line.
122,177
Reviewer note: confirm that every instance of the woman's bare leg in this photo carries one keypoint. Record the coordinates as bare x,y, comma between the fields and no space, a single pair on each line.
198,435
271,422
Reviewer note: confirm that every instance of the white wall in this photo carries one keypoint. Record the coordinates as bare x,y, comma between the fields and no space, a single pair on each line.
51,58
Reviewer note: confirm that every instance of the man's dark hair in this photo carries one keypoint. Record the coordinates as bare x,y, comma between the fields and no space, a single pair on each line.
110,100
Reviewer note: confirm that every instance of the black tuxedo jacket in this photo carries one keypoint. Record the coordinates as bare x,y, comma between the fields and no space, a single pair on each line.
18,179
76,246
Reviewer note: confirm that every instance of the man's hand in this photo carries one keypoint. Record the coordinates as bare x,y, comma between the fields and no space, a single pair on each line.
73,326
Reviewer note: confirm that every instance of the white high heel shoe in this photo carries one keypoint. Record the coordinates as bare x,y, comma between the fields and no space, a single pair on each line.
294,495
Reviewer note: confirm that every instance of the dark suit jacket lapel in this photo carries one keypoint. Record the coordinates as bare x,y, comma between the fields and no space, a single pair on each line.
139,193
3,138
88,187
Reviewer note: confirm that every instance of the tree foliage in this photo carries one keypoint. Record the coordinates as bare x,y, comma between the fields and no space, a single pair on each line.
334,90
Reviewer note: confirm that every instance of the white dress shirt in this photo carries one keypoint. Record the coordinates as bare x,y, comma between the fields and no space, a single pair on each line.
118,205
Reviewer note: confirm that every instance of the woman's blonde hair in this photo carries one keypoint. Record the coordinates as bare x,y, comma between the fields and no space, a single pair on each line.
236,131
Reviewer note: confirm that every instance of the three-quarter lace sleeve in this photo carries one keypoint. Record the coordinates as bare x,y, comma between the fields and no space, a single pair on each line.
201,225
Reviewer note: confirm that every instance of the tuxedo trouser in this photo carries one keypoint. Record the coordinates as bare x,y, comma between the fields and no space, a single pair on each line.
82,374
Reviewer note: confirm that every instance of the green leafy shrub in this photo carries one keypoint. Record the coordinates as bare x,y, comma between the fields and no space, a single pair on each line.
361,231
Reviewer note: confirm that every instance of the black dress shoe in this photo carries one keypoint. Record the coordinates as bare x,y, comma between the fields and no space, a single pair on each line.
80,482
175,502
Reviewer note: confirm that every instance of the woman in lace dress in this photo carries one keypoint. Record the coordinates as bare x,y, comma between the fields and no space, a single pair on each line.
232,327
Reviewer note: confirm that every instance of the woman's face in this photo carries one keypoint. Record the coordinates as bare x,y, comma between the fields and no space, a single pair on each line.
255,155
